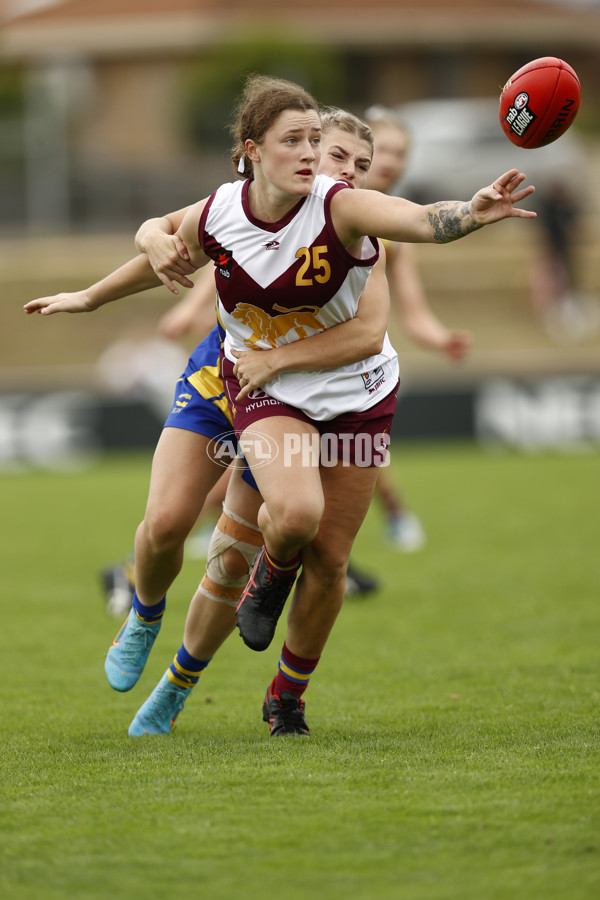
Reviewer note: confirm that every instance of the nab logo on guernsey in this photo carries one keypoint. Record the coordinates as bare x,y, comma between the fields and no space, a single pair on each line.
224,448
224,262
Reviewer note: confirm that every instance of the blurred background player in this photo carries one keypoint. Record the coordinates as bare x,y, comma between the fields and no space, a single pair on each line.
403,528
567,313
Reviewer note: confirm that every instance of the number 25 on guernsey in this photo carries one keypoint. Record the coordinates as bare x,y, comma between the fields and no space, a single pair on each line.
315,266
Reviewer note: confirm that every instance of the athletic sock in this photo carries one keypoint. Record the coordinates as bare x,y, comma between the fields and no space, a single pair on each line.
185,670
149,614
294,673
283,568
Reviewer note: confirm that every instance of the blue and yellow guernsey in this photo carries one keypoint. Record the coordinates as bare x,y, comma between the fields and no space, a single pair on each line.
200,403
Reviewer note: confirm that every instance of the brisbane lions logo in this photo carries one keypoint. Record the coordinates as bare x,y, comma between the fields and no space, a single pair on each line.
301,319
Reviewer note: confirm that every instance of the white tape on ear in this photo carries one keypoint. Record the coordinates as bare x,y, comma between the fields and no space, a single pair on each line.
242,165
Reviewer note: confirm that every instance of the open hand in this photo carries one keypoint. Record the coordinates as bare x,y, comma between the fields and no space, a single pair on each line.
75,302
497,201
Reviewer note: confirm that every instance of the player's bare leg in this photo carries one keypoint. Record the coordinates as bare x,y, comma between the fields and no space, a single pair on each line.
211,615
182,475
319,592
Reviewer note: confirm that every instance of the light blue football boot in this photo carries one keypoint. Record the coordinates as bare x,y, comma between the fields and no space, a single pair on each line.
129,652
157,715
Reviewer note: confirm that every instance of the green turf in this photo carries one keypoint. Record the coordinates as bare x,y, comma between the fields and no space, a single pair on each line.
455,750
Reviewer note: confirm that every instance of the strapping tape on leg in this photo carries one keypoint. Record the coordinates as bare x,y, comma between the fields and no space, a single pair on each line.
231,531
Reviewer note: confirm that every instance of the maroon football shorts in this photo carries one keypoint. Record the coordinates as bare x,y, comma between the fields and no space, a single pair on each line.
358,438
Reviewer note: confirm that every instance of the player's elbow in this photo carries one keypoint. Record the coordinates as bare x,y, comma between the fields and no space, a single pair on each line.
374,342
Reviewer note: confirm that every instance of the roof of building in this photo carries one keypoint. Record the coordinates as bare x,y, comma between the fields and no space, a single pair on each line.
113,27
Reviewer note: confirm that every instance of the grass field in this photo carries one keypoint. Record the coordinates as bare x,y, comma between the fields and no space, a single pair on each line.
455,746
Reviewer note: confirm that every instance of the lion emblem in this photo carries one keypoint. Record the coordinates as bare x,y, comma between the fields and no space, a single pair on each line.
301,319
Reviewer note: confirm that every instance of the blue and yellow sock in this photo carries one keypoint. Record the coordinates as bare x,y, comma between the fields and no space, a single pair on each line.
185,670
149,614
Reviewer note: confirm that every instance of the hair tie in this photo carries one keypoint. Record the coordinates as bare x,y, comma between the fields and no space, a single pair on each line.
242,164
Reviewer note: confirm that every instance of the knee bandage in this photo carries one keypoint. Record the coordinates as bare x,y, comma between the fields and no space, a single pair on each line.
231,531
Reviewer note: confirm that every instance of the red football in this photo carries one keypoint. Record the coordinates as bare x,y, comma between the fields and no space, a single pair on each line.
539,102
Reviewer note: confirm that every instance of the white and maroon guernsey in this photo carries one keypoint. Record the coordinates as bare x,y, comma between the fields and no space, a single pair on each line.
284,281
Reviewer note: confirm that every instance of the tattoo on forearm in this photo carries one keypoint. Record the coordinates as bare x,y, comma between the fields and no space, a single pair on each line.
448,221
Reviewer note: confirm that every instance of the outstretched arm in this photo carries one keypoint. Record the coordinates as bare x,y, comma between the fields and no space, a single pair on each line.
135,276
348,342
359,212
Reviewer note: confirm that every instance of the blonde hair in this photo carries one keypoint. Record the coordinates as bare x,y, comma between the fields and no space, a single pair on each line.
261,102
334,117
383,115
